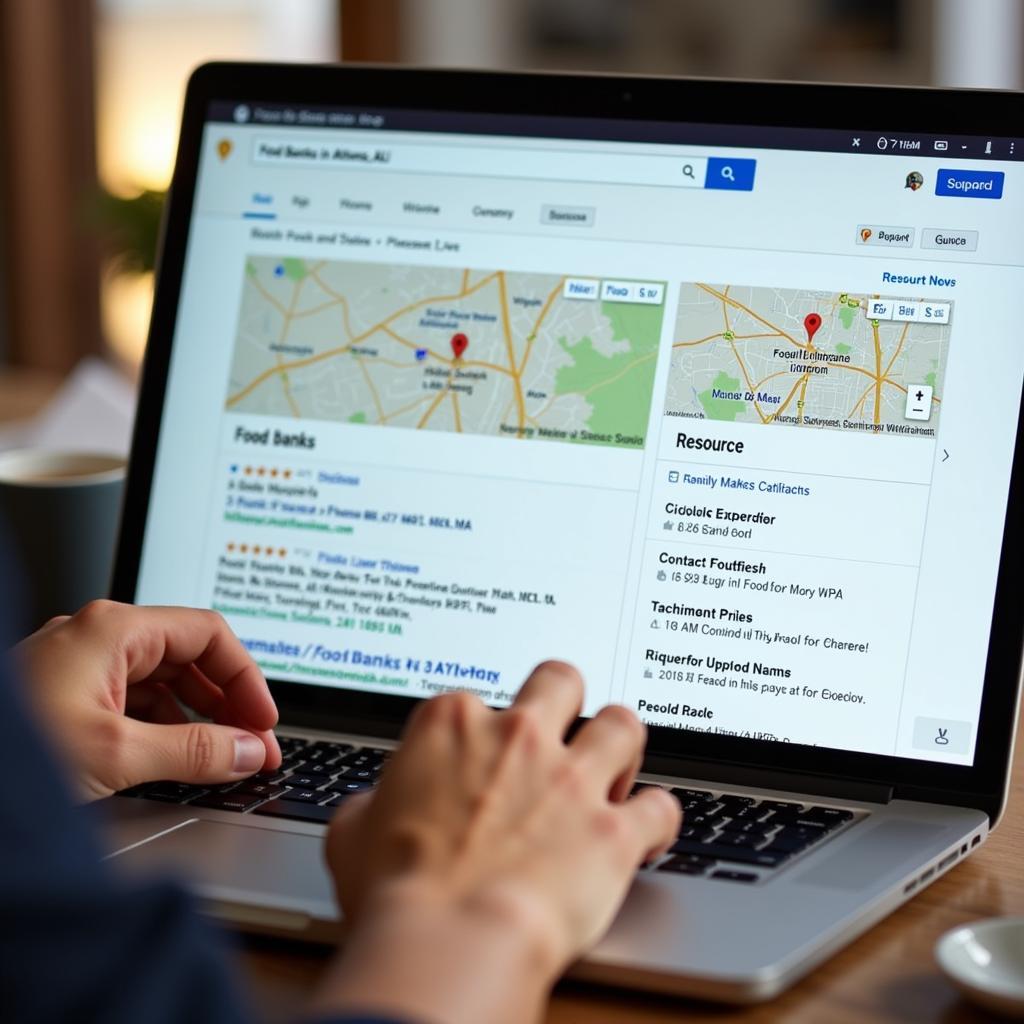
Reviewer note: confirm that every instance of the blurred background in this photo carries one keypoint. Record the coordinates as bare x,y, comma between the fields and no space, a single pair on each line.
91,90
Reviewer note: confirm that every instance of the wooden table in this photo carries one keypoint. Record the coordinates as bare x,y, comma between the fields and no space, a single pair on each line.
887,975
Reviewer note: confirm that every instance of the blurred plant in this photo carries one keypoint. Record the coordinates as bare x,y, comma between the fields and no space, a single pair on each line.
128,228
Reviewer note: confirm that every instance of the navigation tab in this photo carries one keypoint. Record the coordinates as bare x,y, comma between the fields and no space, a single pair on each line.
568,216
430,209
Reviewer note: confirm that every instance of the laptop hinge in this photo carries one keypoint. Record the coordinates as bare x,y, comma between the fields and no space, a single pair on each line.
769,778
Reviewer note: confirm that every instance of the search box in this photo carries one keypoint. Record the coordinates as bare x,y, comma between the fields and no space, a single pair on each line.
730,173
541,164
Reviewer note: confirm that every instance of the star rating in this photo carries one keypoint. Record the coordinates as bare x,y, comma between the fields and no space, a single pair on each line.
266,550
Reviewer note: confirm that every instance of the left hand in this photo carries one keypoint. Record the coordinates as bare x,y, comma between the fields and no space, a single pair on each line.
106,684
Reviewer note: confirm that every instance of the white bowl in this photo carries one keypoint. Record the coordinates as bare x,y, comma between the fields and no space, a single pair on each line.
985,960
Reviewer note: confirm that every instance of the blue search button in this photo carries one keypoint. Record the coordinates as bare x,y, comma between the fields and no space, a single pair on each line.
970,184
737,175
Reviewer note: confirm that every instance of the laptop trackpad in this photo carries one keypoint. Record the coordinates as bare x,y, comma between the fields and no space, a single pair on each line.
240,862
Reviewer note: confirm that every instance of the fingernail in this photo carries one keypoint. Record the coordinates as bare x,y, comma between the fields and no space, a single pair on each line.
249,753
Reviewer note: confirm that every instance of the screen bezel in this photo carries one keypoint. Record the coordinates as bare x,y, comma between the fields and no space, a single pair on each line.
967,113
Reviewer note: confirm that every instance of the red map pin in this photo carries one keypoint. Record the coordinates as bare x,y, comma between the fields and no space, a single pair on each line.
811,324
460,342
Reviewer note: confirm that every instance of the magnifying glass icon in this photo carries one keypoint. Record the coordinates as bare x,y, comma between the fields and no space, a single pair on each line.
728,174
688,172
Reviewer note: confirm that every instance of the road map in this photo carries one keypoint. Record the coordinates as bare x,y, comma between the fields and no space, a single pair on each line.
474,351
808,358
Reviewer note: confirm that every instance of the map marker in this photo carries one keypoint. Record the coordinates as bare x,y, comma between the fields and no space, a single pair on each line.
459,344
811,324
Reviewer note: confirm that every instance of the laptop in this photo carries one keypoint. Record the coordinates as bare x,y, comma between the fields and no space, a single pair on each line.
710,388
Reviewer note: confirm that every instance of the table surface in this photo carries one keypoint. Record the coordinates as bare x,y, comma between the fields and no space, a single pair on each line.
888,974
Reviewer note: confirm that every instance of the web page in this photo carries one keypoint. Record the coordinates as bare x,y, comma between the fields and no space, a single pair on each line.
731,430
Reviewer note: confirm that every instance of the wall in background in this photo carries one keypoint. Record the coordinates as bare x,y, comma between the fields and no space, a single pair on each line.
97,84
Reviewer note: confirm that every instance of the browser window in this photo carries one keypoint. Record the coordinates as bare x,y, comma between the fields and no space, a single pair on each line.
729,427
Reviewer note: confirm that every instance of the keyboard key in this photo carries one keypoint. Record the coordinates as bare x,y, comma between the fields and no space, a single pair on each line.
699,832
712,817
297,812
813,824
685,795
303,796
347,787
686,865
304,781
754,813
733,802
833,816
735,876
736,854
332,748
173,792
264,790
753,829
228,801
781,805
739,839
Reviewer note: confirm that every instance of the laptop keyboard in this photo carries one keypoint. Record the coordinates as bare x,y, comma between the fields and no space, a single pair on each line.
314,777
725,836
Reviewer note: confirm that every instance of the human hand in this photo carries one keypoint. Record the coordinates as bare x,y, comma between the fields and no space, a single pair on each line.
492,850
105,681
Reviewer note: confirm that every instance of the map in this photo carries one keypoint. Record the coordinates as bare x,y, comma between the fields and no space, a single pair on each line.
491,352
808,358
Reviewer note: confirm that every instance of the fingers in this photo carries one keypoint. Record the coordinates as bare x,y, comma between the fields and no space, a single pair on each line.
154,640
196,752
554,691
183,636
154,702
191,687
611,745
654,818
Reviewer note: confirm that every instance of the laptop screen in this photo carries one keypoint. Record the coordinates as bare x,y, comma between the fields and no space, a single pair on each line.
723,416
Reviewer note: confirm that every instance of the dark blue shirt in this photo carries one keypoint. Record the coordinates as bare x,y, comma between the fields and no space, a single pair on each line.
77,943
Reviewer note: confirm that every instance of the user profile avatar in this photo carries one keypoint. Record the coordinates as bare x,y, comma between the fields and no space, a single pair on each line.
915,179
242,113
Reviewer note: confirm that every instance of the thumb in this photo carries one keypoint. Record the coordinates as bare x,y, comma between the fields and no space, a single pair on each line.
196,752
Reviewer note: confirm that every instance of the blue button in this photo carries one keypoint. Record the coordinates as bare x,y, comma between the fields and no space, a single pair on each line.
737,175
969,184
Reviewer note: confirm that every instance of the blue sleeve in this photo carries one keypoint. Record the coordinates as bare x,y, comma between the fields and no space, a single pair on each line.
76,942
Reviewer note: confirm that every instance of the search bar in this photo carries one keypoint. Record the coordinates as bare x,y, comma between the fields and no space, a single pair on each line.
508,162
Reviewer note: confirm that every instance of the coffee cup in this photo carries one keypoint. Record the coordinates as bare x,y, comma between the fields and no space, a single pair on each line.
60,512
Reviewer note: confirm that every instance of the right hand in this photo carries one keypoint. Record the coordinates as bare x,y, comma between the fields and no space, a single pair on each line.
488,824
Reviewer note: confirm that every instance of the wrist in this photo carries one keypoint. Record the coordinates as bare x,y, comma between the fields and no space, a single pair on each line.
417,953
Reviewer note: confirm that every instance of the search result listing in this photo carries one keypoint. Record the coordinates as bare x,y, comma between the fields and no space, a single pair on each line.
776,604
412,581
